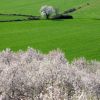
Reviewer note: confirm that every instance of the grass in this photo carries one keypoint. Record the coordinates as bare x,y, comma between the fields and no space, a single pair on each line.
77,37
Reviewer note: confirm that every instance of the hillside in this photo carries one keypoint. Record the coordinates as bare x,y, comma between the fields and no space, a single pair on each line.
78,37
33,6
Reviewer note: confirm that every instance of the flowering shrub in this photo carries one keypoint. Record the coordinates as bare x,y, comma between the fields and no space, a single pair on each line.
31,75
47,11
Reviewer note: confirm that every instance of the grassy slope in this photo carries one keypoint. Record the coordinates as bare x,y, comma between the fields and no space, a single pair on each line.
78,37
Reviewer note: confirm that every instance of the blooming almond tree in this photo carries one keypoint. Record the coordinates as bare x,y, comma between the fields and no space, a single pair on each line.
31,75
47,11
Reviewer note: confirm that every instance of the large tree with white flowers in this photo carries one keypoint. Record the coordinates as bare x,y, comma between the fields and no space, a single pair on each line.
47,11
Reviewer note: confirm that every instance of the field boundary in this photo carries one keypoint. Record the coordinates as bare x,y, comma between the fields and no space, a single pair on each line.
28,17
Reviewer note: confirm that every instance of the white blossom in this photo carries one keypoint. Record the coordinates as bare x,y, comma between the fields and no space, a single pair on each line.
36,76
47,11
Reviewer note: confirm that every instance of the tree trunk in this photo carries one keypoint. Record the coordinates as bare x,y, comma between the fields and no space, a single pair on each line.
47,16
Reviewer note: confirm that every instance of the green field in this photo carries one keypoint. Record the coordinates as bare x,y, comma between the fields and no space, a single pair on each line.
77,37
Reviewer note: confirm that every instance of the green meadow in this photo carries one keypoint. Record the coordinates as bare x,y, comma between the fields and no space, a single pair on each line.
78,37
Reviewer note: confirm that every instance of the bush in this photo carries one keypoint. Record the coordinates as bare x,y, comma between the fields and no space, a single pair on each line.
31,75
